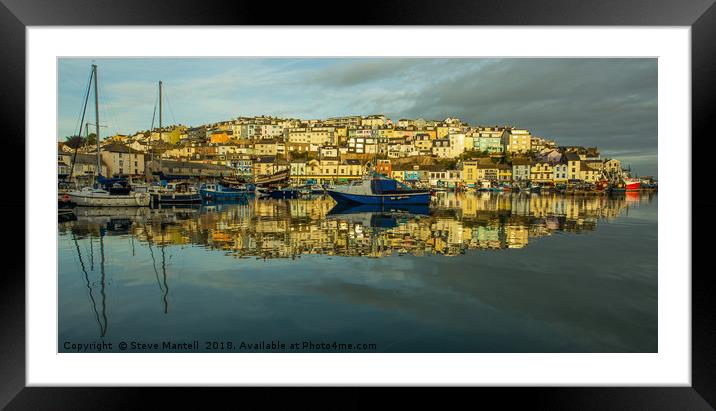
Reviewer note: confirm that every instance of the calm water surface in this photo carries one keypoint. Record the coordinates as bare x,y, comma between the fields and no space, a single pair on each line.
476,272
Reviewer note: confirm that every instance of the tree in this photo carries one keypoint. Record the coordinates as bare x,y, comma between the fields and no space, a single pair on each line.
91,139
74,142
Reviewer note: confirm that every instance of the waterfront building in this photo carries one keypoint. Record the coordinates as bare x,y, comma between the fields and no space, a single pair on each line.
574,165
612,165
521,168
122,160
267,165
504,173
487,170
590,171
190,168
242,163
559,172
542,173
298,168
84,169
469,172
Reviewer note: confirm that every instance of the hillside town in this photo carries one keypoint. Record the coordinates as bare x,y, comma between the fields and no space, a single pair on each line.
447,154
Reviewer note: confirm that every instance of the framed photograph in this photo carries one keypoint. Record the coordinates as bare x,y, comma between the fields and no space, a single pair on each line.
468,197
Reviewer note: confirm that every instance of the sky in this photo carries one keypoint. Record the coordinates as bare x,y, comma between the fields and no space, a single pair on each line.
608,103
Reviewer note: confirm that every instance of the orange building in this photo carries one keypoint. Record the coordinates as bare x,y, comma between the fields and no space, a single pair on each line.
384,167
219,138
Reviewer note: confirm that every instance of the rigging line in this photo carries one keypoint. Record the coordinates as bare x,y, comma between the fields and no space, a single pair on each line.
107,112
154,115
83,109
79,131
89,287
171,110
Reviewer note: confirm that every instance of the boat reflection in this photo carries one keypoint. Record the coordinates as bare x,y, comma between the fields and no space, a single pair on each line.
272,228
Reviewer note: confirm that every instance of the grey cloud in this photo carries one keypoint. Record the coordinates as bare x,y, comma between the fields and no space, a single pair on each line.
345,75
610,103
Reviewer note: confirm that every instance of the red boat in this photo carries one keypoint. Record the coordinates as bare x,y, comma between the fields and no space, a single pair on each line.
632,184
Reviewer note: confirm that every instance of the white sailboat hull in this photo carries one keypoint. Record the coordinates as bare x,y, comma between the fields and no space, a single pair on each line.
90,199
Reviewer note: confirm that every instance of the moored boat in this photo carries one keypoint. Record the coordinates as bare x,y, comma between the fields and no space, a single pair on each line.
632,184
217,192
95,197
378,189
176,192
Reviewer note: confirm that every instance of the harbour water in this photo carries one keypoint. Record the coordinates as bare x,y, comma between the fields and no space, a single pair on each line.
474,272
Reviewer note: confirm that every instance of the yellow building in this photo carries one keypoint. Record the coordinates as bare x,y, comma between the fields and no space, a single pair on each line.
442,131
612,165
519,141
542,173
469,172
220,137
590,172
504,172
574,166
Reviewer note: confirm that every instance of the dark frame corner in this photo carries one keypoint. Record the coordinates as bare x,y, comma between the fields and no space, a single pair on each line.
700,15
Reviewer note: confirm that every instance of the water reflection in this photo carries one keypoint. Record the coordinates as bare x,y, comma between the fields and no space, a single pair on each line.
266,228
161,274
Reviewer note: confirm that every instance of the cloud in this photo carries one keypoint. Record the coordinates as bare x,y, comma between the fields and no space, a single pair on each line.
610,103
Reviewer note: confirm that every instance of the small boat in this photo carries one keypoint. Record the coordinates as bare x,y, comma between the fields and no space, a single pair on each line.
217,192
176,192
237,185
97,197
378,189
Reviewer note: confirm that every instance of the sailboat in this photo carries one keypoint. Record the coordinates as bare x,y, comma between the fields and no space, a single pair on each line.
174,192
97,196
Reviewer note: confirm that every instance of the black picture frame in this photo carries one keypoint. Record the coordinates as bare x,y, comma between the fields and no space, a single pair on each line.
15,15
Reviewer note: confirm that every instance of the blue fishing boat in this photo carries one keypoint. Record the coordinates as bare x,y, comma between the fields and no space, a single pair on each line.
217,192
380,190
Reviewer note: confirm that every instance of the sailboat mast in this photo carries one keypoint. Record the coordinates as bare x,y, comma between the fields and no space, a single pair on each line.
96,116
160,124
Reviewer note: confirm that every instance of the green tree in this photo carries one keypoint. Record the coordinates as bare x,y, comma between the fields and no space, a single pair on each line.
74,142
91,139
